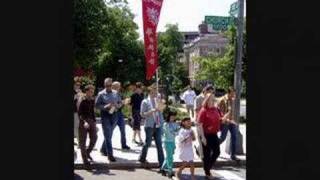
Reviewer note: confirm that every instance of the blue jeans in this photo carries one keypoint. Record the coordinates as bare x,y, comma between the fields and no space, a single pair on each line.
108,124
233,131
156,133
122,128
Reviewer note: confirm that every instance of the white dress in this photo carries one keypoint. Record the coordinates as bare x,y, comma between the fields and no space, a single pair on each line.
185,147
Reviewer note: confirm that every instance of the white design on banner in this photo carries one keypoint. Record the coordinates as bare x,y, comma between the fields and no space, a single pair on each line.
151,61
151,47
151,39
149,31
156,2
153,15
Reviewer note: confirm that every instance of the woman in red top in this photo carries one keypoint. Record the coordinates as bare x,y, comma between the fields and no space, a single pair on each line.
209,124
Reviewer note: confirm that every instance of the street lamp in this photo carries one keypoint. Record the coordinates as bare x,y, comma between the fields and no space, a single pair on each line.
120,62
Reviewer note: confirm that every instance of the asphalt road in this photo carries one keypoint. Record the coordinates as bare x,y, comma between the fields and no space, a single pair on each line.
223,173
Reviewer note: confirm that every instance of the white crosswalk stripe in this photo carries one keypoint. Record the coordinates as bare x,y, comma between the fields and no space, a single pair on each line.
227,175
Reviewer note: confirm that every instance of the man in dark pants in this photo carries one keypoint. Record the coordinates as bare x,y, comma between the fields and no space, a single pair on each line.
225,106
108,102
87,125
116,86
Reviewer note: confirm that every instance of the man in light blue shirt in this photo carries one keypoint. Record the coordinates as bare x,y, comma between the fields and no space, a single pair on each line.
108,102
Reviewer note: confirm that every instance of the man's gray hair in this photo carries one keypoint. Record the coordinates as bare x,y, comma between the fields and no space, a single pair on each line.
116,83
107,80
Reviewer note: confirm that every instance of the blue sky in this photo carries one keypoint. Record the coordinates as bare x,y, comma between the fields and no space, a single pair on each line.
187,13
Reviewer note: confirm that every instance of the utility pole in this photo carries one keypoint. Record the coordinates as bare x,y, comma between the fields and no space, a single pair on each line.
238,72
238,67
237,9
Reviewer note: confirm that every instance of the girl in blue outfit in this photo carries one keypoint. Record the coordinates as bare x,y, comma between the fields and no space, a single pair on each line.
170,131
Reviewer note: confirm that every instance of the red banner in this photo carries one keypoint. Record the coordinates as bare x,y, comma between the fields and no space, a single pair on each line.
151,13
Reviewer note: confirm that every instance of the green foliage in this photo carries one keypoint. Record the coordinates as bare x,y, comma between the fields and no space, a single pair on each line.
181,79
126,110
169,45
89,29
104,32
220,69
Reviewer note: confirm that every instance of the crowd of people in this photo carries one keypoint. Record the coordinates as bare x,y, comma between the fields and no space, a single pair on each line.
211,115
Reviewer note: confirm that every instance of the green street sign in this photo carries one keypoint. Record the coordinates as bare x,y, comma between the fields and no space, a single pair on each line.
234,9
219,23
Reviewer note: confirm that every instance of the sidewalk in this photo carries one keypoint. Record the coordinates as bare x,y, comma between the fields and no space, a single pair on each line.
129,159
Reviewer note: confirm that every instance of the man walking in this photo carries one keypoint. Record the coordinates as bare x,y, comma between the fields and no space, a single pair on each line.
108,102
153,121
188,97
116,86
87,125
229,124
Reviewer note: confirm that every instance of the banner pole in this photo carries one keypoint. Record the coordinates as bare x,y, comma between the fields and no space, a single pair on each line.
157,79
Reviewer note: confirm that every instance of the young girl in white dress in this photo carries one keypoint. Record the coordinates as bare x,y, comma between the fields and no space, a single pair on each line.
185,138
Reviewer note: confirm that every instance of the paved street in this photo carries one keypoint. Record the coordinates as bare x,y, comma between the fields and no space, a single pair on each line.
223,173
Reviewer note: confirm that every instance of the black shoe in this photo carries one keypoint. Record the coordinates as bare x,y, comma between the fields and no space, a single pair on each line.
111,159
103,153
140,144
90,158
163,172
170,175
143,161
87,166
234,158
126,148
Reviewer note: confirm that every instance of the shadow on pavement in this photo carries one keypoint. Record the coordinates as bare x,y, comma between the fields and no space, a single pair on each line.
128,151
229,168
199,177
125,161
77,177
104,171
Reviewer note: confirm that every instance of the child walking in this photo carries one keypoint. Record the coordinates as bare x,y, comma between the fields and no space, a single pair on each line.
170,131
185,138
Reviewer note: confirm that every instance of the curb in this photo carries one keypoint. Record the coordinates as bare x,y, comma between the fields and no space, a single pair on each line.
137,165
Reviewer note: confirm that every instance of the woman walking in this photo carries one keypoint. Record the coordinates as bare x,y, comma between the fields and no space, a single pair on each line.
209,125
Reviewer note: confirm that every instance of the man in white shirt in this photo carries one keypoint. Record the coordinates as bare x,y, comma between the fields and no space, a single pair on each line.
188,97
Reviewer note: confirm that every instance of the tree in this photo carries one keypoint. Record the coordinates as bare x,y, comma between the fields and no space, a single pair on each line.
123,45
220,69
170,43
89,31
104,33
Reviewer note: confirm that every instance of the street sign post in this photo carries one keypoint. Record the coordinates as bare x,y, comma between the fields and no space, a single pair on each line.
237,74
234,9
219,23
